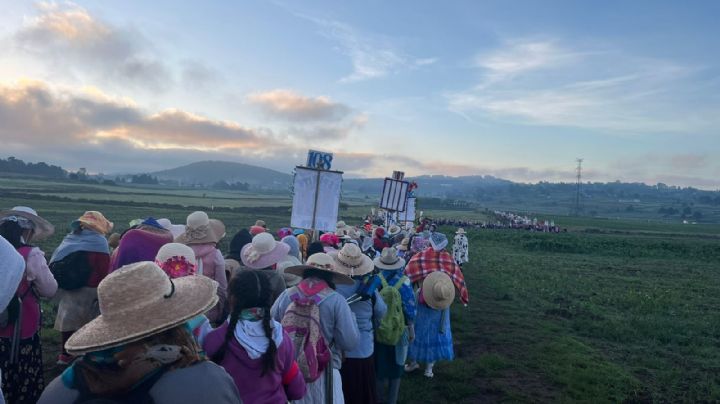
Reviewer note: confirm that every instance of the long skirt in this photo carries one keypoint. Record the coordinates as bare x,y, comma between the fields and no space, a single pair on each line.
358,380
433,337
22,382
76,308
316,390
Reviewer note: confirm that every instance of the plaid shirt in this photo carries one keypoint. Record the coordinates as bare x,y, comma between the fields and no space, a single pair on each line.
429,260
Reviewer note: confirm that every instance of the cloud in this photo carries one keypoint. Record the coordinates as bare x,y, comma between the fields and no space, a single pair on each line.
545,83
67,38
33,112
372,56
289,105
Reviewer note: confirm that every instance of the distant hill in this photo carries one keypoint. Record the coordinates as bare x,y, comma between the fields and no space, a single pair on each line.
207,173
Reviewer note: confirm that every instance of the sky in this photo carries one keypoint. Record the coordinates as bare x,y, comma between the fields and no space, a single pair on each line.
517,90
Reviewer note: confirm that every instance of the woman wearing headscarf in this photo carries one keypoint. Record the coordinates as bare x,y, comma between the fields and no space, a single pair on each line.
202,235
139,349
20,349
88,249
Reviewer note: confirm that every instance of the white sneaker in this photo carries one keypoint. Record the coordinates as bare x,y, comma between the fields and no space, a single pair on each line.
412,366
428,373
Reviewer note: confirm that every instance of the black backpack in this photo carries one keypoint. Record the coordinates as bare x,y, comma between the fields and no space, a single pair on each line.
73,271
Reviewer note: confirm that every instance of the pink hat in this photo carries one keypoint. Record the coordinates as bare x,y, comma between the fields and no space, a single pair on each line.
330,238
263,252
255,230
284,232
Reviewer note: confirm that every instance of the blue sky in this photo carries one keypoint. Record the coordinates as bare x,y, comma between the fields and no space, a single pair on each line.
512,89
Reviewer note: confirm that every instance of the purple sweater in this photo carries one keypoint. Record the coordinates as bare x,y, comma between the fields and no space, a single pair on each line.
246,372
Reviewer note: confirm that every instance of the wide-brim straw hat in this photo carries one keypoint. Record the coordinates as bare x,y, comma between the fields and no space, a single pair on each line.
393,230
389,259
263,252
438,290
460,231
200,229
140,300
41,228
404,244
351,261
95,221
322,262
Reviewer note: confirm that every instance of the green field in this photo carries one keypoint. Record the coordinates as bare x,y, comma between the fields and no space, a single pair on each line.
612,311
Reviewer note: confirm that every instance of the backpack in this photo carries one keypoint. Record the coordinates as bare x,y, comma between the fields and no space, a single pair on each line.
302,323
392,324
72,272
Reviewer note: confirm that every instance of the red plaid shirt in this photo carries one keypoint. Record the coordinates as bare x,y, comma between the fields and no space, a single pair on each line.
429,260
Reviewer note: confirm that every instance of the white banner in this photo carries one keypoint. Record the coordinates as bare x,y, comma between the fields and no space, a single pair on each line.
328,199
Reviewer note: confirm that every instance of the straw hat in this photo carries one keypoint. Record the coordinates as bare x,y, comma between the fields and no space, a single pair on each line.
460,231
200,229
322,262
42,228
260,223
404,244
389,259
94,221
438,290
394,230
352,262
263,252
139,300
177,260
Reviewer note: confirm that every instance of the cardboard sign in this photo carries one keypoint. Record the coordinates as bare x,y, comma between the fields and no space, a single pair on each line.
319,160
394,196
313,186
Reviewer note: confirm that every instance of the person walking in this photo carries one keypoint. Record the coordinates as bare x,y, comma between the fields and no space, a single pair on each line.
337,323
460,247
81,262
20,348
253,348
139,349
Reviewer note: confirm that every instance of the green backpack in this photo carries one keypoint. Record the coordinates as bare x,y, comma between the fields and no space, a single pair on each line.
392,324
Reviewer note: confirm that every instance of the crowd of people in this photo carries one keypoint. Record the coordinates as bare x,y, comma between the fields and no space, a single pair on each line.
504,220
158,314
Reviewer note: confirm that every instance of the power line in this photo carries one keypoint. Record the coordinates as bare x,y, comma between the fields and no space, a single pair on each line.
578,184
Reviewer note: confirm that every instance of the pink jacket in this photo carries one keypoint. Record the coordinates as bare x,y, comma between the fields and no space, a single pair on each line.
213,266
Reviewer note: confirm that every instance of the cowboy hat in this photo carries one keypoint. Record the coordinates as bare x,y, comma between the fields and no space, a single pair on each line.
42,228
389,259
438,290
460,231
200,229
351,261
321,262
95,221
260,223
139,300
263,252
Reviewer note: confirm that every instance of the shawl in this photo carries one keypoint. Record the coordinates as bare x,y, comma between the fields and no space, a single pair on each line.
139,245
86,240
251,336
429,260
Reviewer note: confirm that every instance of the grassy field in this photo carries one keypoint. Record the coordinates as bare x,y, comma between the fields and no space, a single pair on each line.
612,311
